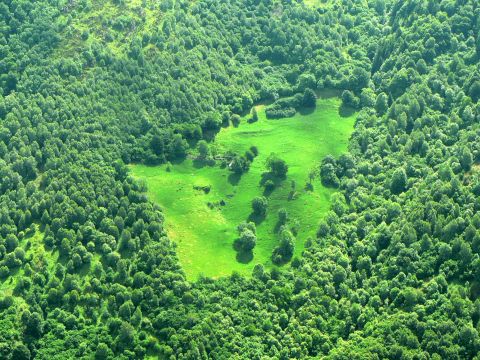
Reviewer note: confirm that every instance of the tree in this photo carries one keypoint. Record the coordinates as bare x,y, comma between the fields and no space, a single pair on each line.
277,166
313,173
309,98
475,91
254,117
247,240
328,172
285,249
466,158
126,336
20,352
399,181
359,79
259,205
367,98
33,323
102,352
179,146
381,104
239,165
203,149
349,99
158,145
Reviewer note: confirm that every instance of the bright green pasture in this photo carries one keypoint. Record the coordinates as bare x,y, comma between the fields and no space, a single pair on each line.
204,235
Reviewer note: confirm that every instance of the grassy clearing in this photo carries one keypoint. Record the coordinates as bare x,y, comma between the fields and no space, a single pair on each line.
204,235
36,255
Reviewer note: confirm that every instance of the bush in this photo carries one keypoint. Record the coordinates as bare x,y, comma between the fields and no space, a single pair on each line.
259,205
277,166
284,251
269,185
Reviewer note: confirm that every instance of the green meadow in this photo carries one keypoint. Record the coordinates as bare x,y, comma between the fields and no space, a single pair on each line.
205,234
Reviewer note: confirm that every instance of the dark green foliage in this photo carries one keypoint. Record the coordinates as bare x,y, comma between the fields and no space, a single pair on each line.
247,236
239,164
328,172
203,149
20,352
349,99
254,117
259,205
284,251
399,181
309,98
277,166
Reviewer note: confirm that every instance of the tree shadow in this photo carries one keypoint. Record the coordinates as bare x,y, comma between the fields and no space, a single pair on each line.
328,93
269,176
177,160
234,178
309,187
346,111
277,226
256,218
242,256
199,163
268,191
209,135
292,195
306,110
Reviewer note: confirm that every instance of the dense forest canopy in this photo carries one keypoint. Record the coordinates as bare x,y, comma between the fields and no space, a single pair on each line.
87,87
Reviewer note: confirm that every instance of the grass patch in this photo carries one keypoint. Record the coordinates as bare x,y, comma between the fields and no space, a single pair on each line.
35,254
203,224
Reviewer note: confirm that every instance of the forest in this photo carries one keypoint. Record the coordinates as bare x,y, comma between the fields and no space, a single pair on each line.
92,92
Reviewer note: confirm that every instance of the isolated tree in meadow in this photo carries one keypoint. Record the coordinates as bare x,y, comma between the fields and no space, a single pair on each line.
285,249
259,205
247,240
247,225
239,165
277,166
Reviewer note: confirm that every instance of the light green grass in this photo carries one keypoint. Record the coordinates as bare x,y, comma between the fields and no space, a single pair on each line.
205,236
36,255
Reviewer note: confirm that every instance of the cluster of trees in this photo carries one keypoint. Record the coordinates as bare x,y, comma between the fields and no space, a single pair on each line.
393,272
288,106
240,164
